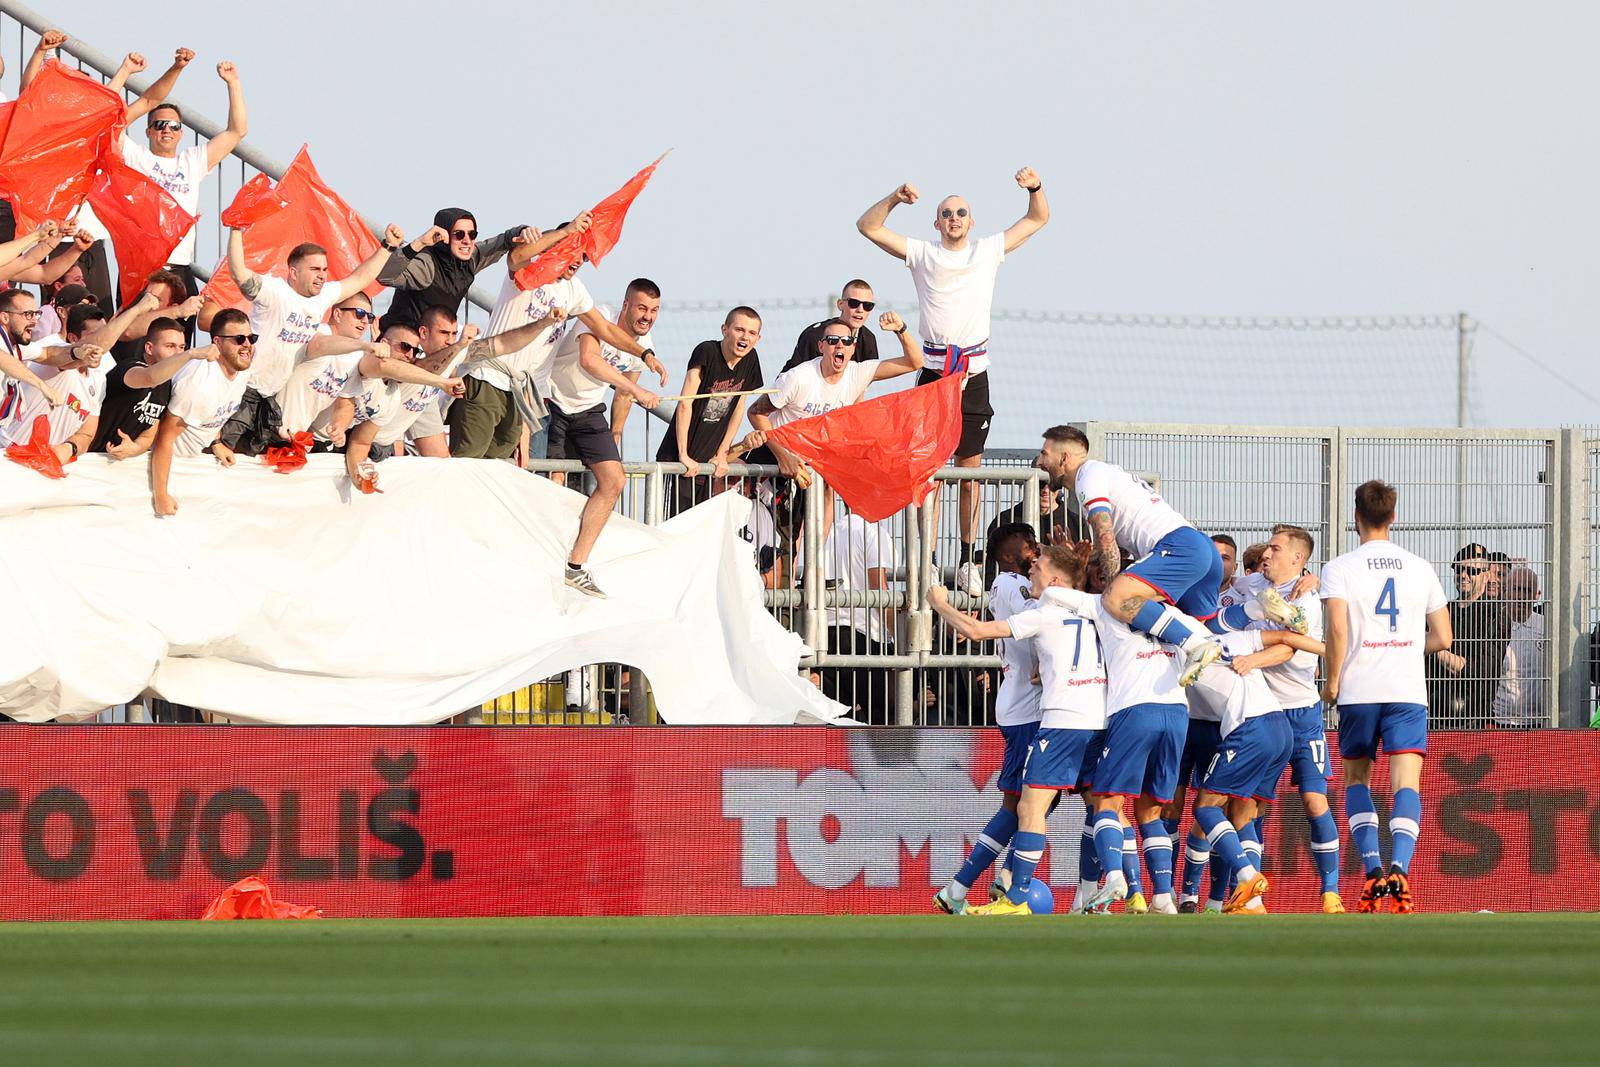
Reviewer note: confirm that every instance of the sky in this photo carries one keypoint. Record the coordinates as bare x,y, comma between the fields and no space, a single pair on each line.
1204,159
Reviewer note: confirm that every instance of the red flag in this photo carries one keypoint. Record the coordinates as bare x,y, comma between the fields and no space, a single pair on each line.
881,454
601,237
311,212
255,202
37,452
144,221
60,127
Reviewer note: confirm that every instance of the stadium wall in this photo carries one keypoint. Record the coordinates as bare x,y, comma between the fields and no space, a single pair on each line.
152,822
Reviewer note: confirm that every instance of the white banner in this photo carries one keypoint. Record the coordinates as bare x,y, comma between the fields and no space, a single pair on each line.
290,599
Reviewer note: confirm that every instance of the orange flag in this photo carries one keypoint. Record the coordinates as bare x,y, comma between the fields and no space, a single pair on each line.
144,221
601,237
55,135
880,454
251,898
307,210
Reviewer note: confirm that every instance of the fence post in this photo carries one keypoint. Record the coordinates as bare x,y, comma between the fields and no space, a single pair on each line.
815,570
1568,631
1337,491
905,707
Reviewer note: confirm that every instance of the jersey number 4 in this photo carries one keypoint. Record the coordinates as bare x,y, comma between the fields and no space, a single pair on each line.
1386,605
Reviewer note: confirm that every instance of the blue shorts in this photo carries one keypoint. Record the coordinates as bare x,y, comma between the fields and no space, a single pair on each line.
1308,763
1252,758
1056,758
1199,745
1185,569
1091,761
1018,739
1400,727
1143,747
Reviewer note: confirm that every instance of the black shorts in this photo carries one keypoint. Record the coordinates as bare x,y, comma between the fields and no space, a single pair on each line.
976,412
585,436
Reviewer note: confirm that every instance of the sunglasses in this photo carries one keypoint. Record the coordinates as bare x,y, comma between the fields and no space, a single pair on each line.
166,125
240,338
835,339
947,213
1459,569
864,305
464,235
361,314
404,347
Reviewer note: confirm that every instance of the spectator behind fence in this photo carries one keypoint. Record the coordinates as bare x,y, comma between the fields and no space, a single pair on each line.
854,307
284,316
1499,570
703,430
1462,678
438,268
1519,699
858,556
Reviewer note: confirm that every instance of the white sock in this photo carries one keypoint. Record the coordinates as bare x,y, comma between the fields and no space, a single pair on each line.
1255,902
1213,905
1248,873
1161,901
1254,610
1189,898
956,891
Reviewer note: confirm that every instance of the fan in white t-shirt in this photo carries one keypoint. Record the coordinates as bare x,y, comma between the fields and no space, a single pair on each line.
832,380
205,395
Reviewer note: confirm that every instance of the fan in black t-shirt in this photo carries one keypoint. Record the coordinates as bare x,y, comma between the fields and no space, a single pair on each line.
708,426
132,408
854,307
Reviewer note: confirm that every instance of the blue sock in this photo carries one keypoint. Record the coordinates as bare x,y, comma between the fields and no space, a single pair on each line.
1223,838
1363,820
1196,854
993,841
1158,854
1405,822
1108,841
1229,618
1250,841
1171,826
1165,623
1088,860
1221,876
1325,849
1027,849
1130,861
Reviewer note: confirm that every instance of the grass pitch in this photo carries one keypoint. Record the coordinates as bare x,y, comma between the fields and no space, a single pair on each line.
806,991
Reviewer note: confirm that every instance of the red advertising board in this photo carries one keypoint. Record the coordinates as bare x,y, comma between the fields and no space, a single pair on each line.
153,821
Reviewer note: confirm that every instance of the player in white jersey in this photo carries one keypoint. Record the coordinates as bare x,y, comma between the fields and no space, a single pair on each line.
1256,740
954,278
1062,627
1385,612
1016,710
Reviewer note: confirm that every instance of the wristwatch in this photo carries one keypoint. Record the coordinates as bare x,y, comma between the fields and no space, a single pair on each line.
647,352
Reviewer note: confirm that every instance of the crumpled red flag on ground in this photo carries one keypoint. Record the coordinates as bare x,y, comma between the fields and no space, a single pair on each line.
144,221
310,211
55,134
251,898
37,453
880,454
597,242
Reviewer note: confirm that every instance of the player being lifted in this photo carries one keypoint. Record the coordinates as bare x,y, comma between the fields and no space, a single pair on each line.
1073,680
1385,612
954,278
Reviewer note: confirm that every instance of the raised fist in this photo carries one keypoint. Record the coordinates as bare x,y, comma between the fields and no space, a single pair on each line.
48,230
209,353
148,302
134,62
1027,177
456,387
907,194
891,322
556,316
393,235
528,236
88,354
189,308
471,333
435,235
228,72
182,57
582,223
84,240
50,39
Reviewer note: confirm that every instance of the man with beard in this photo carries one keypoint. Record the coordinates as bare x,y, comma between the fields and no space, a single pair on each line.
204,397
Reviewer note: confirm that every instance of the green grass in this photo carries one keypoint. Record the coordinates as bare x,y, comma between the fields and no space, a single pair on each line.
805,991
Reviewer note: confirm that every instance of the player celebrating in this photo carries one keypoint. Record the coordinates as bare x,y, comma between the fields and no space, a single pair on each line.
954,278
1016,707
1385,612
1073,703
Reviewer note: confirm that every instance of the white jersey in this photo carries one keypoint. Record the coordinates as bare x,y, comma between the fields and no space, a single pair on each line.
1231,698
1073,674
1388,593
1138,514
1018,699
955,293
1235,592
573,389
1293,682
21,404
180,176
517,307
314,384
286,321
396,407
855,548
1139,669
804,392
205,398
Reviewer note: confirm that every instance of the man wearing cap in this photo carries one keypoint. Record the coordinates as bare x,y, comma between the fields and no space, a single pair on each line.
1462,679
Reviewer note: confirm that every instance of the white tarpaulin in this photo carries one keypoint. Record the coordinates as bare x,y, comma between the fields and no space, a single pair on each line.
288,599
